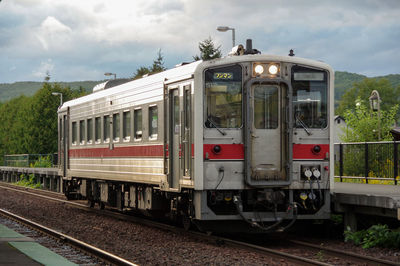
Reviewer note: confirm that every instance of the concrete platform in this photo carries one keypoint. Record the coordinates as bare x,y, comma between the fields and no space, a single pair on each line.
352,199
16,249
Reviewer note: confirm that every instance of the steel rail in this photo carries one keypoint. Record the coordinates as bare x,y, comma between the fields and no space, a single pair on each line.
104,255
219,240
202,236
360,258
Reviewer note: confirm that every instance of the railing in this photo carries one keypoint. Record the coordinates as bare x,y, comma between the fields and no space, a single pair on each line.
367,162
30,160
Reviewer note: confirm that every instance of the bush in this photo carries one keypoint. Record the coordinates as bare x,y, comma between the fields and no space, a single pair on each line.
42,162
28,181
375,236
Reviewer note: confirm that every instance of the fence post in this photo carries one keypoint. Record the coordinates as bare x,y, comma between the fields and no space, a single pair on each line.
366,163
395,162
341,161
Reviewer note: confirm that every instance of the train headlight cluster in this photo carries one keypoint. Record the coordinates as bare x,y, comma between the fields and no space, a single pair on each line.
269,70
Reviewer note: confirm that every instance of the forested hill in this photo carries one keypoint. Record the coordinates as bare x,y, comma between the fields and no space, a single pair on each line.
343,81
9,91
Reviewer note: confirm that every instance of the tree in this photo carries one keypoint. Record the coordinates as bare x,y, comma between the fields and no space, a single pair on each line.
208,51
363,124
389,95
158,66
140,72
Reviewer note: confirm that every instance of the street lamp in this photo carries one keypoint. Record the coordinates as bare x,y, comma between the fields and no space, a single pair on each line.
224,29
58,94
110,74
375,104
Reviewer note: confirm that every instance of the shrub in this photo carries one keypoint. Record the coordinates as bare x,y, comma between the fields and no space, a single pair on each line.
376,236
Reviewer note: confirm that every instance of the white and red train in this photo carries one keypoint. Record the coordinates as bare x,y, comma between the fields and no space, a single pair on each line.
237,143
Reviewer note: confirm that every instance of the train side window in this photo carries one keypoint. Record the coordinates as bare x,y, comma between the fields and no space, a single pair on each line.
126,125
97,129
153,122
82,132
89,133
137,125
74,133
106,129
116,129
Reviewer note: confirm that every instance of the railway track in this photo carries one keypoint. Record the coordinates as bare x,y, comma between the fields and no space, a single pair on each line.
91,250
317,255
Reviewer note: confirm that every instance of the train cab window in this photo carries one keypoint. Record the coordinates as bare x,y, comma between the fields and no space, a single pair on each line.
137,125
97,129
310,97
126,126
89,133
74,133
223,97
106,129
82,132
153,122
116,129
266,110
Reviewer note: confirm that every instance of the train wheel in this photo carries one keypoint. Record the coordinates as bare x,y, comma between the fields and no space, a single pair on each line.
101,205
186,222
90,203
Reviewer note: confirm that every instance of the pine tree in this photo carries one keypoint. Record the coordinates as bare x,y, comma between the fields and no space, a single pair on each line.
208,51
158,64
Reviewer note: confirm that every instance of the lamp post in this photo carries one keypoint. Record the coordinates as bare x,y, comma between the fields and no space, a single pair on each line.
375,104
226,28
110,74
58,94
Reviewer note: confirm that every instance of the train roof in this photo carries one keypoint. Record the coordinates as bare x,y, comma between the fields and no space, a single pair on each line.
183,71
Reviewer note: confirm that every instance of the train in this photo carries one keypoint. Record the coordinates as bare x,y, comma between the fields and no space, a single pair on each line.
239,143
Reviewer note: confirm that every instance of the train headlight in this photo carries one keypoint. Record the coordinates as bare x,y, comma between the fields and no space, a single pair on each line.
273,69
259,69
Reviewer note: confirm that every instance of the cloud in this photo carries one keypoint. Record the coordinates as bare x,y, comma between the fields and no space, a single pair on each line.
53,32
92,36
45,68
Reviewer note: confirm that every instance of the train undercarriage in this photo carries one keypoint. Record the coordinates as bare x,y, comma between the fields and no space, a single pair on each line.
251,210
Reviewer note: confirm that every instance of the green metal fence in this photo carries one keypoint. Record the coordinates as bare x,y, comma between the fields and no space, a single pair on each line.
368,162
30,160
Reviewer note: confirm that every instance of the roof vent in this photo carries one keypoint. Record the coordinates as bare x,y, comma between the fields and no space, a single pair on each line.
249,48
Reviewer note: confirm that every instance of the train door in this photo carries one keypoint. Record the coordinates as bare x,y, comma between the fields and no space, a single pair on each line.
63,144
187,132
178,158
173,140
267,143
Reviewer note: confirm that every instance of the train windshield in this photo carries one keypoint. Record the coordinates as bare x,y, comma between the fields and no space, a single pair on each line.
310,94
223,94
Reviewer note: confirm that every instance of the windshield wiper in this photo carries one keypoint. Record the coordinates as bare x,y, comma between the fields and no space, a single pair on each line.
213,124
302,124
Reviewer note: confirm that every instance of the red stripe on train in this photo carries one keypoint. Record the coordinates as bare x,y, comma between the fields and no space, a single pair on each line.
227,152
306,151
130,151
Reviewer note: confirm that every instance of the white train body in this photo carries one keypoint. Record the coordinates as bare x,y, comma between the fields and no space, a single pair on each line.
213,142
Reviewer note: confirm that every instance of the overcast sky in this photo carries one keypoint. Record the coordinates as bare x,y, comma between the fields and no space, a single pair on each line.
82,39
